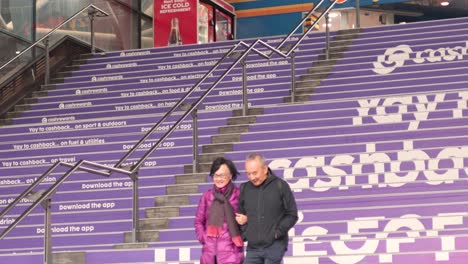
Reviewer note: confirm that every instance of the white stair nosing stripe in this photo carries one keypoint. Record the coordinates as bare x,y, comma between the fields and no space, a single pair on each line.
299,64
136,90
304,50
247,143
293,188
381,207
154,102
279,105
112,118
320,256
225,88
276,97
357,71
323,87
312,223
378,219
204,72
279,149
137,79
291,240
265,71
302,54
153,108
253,125
252,133
367,125
133,98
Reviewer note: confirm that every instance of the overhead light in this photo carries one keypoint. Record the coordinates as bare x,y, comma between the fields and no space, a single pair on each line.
18,52
444,3
333,14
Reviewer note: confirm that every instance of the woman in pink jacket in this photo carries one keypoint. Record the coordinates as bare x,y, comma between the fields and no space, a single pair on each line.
215,224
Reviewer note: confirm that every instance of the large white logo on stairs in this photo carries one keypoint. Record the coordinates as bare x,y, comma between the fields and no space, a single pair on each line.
396,57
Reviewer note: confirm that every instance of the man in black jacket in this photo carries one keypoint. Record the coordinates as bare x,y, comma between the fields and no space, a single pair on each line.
267,210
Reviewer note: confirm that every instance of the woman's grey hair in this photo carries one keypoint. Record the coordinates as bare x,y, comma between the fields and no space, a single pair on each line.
258,156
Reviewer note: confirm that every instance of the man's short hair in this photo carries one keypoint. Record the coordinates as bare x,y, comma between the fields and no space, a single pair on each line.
258,156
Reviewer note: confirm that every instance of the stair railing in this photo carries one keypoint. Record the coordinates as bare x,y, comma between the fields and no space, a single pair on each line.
93,11
239,57
44,197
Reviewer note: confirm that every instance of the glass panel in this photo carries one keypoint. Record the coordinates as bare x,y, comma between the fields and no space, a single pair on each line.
203,26
147,8
223,26
146,33
16,17
118,31
50,13
10,46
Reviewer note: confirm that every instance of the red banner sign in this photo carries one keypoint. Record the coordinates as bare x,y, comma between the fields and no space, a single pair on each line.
175,22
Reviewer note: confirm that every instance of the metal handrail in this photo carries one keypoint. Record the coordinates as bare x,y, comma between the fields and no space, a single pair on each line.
47,173
132,170
244,54
52,31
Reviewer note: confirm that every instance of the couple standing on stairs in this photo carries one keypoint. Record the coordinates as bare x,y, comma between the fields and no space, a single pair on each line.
260,212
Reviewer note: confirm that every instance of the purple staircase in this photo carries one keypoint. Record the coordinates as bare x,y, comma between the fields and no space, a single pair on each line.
377,156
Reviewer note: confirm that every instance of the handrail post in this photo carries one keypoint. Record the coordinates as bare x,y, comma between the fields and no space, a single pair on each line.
358,14
293,78
245,102
47,62
47,232
195,140
91,15
327,36
136,211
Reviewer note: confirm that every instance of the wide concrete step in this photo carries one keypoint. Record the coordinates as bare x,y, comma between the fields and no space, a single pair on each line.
68,257
338,49
308,83
305,91
331,56
172,200
314,76
202,168
146,236
241,120
192,178
320,70
6,122
250,111
226,138
206,158
324,62
130,246
297,99
218,148
181,189
233,129
154,223
340,43
162,212
48,87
